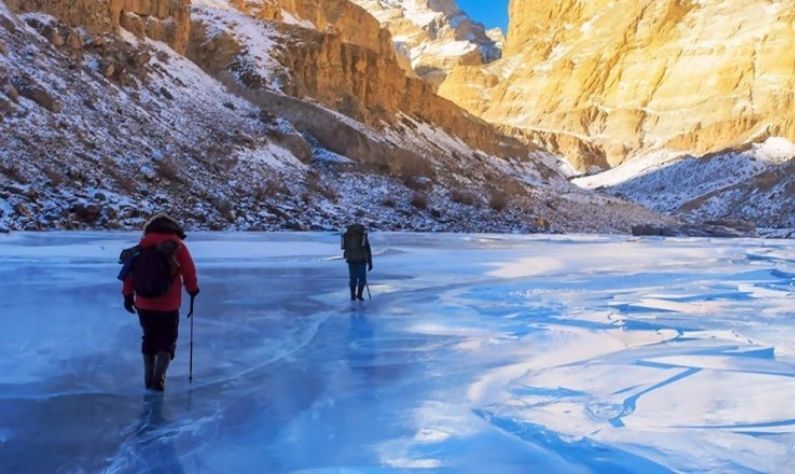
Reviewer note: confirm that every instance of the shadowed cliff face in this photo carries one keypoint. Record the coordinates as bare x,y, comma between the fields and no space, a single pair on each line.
625,77
336,53
371,87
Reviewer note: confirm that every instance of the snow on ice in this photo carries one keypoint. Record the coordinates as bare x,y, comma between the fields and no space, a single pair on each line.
477,353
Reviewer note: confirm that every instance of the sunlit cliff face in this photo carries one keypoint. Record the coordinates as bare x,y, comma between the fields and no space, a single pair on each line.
628,76
434,35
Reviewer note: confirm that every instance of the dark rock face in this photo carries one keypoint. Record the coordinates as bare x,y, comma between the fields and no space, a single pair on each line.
718,228
40,96
88,214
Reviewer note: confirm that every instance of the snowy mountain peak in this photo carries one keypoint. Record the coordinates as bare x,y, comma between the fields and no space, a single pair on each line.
435,35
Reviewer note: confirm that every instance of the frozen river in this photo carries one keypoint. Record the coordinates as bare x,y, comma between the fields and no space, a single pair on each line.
481,354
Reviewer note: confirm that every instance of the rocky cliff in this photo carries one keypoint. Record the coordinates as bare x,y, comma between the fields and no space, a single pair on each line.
357,74
162,20
338,17
607,80
278,115
435,35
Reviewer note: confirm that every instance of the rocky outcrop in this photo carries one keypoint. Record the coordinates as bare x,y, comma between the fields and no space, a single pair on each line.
39,95
720,228
352,75
339,17
623,77
435,36
161,20
371,87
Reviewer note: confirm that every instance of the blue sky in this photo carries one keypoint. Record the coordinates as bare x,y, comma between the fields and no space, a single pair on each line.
489,12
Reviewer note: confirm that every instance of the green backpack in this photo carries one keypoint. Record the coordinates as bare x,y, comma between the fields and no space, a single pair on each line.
354,243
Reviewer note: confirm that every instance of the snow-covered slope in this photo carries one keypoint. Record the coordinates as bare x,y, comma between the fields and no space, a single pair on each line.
756,184
101,130
108,132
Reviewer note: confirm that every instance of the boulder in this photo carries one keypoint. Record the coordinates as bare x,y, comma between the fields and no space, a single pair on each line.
87,213
21,209
75,41
541,224
165,93
141,59
55,37
134,24
6,107
40,96
11,92
107,70
721,228
6,23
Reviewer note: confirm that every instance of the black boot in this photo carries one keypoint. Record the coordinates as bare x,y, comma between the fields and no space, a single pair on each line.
360,294
353,292
149,370
163,359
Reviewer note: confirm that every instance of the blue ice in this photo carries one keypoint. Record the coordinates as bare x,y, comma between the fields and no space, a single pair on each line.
477,353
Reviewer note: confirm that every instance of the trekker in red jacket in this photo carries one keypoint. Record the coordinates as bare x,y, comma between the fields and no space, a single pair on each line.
153,287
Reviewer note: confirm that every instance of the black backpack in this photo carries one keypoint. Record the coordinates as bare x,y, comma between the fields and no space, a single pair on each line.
354,242
154,269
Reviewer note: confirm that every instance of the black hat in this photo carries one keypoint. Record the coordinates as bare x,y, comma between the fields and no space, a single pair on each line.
163,224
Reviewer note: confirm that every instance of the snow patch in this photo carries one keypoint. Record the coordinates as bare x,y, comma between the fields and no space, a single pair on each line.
258,37
272,156
288,18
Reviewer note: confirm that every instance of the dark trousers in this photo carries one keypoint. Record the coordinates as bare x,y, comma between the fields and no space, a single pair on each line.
358,273
160,331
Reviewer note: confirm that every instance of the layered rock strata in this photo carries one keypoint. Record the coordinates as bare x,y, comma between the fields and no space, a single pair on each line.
162,20
613,79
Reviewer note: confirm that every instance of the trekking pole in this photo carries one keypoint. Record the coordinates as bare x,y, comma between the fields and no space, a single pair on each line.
369,295
190,316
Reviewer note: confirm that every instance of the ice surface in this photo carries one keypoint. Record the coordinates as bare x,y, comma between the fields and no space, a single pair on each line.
477,354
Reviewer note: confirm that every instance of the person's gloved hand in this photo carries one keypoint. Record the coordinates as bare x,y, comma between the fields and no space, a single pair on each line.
129,304
194,293
370,266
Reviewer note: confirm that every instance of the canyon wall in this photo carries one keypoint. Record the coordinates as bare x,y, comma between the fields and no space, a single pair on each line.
336,53
162,20
435,36
612,79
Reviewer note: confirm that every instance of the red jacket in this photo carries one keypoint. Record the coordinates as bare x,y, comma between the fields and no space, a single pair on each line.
185,274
